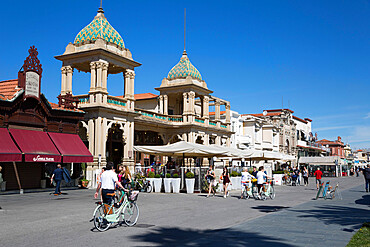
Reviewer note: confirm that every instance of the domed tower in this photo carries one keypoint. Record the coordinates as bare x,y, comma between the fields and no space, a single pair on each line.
180,90
108,126
99,49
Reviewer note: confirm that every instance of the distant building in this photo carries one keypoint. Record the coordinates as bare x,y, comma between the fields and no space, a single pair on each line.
336,147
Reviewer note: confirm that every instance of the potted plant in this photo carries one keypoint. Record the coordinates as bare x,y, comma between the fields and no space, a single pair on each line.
236,180
167,183
176,183
157,183
150,178
84,182
190,180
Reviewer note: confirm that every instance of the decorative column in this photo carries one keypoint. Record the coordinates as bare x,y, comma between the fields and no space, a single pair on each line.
217,110
104,76
165,104
185,103
99,71
91,136
161,104
132,84
69,70
206,109
93,76
191,107
126,77
227,109
64,80
97,136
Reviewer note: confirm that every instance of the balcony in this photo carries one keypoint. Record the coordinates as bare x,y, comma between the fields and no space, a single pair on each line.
177,119
86,100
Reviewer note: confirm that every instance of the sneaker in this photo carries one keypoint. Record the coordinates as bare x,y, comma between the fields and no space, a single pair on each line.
59,193
207,196
227,193
225,196
56,194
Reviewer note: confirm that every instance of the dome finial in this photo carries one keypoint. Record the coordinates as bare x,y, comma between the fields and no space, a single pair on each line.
101,7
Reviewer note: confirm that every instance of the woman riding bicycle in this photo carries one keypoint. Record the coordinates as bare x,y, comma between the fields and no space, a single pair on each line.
261,179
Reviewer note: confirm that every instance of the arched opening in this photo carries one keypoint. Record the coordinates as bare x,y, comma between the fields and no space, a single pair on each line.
199,140
115,145
287,146
82,132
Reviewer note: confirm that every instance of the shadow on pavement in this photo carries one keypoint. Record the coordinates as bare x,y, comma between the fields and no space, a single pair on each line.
165,236
365,200
339,215
269,209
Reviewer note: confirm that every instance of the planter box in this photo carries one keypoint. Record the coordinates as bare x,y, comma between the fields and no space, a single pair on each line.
176,185
43,183
151,182
157,184
236,183
190,185
278,179
167,185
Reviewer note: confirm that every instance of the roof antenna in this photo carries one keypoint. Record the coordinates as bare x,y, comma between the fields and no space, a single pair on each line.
184,53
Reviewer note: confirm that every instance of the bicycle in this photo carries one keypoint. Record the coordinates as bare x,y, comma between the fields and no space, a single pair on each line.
287,179
267,190
250,191
107,214
141,184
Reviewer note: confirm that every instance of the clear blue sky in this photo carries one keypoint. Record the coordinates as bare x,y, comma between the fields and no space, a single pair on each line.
314,54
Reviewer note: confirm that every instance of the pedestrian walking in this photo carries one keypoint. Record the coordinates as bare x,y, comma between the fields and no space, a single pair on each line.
318,175
261,179
366,172
211,179
125,177
226,181
305,176
57,177
254,172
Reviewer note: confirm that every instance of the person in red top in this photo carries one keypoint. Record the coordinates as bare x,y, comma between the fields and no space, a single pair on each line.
318,175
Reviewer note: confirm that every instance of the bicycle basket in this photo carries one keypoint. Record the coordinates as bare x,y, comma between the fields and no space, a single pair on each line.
133,196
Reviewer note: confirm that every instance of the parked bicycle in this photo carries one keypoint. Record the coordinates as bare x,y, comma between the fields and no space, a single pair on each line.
287,179
267,190
124,210
141,184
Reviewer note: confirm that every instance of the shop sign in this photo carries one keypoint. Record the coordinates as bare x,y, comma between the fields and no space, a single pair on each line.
32,87
40,158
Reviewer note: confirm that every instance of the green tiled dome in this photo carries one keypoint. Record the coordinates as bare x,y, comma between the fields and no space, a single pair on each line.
99,28
184,68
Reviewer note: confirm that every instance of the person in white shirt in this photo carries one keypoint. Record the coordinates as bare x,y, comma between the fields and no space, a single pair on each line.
261,178
246,180
107,183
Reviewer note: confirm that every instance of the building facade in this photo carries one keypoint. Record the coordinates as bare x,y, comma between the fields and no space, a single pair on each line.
114,124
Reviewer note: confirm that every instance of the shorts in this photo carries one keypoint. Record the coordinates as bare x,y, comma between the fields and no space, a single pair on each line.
318,181
107,199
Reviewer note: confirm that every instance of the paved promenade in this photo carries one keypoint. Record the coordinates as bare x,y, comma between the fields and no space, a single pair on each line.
292,219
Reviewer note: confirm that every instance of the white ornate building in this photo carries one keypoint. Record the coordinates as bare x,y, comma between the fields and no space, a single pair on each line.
114,124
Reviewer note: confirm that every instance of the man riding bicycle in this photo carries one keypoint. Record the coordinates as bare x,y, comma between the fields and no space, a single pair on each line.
108,182
246,180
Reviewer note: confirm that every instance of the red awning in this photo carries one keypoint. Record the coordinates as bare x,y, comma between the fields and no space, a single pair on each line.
71,147
8,150
36,145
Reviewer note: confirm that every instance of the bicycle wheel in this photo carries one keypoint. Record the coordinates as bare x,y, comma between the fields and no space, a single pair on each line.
131,213
245,194
149,188
272,193
255,192
100,222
